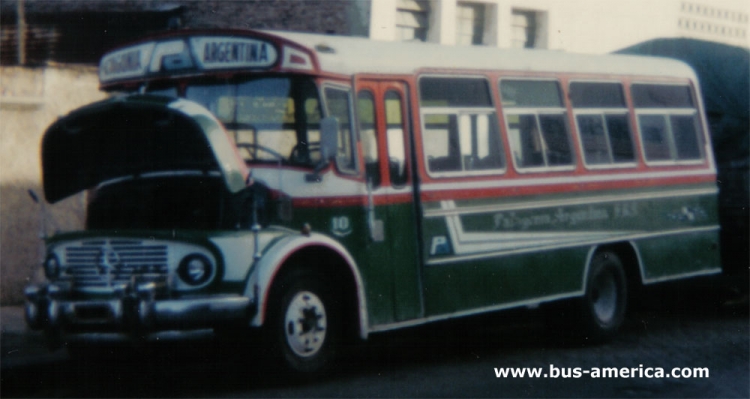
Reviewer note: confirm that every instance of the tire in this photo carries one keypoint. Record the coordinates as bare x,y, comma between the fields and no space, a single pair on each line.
304,323
602,308
598,314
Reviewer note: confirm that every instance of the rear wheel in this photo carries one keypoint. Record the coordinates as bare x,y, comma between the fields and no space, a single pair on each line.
304,323
599,313
603,306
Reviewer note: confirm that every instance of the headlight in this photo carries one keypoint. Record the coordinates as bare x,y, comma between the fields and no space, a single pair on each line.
52,267
195,269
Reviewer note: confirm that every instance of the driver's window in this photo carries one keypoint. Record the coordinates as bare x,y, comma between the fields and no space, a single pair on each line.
339,106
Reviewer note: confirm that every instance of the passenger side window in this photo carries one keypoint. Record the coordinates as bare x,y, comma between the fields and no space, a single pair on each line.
395,138
537,124
460,135
601,116
668,123
369,136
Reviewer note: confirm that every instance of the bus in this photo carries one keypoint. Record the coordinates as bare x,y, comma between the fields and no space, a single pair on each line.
307,190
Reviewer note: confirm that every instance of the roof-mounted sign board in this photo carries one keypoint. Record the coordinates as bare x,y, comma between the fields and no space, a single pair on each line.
187,53
129,62
223,52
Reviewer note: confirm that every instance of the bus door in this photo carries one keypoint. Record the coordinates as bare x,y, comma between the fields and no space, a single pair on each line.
393,243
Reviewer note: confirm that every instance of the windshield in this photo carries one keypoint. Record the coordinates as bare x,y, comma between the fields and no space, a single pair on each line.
271,119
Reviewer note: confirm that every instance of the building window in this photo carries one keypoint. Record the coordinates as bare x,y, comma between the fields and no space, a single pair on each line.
470,23
524,29
412,19
707,21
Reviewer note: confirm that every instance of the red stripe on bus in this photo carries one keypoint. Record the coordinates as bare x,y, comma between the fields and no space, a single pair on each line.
499,192
354,200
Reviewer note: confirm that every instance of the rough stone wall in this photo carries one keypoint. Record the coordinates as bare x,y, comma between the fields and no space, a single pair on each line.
30,100
344,17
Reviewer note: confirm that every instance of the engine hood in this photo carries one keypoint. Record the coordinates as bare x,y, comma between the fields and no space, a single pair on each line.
135,137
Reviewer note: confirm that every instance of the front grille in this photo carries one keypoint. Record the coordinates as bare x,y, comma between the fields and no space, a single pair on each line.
105,263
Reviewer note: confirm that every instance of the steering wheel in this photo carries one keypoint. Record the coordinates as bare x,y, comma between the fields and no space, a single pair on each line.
299,155
253,149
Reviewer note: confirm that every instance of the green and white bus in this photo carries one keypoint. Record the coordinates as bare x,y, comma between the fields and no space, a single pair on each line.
317,188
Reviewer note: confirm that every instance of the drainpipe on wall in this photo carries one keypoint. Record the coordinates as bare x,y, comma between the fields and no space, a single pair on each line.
21,26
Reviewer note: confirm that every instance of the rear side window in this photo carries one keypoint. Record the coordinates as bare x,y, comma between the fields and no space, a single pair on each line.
602,119
536,124
460,134
668,123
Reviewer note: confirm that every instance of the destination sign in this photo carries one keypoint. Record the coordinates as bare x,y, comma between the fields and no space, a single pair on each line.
184,54
126,63
214,52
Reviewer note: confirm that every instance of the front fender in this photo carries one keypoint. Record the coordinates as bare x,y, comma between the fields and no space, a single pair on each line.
267,267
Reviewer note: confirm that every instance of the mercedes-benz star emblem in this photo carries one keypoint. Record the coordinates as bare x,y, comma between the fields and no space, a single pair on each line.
108,259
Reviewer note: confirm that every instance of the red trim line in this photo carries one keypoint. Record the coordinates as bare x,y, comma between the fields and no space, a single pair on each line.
463,194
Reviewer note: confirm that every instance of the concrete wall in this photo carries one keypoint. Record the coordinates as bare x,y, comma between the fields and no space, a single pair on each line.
585,26
30,100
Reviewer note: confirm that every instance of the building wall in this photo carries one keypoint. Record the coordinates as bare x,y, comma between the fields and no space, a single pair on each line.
30,100
582,26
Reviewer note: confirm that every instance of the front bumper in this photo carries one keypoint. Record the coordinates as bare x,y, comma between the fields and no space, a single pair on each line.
55,308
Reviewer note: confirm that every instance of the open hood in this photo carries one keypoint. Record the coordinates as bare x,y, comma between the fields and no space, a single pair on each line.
135,137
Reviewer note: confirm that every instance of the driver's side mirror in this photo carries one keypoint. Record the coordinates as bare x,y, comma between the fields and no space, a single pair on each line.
329,142
329,138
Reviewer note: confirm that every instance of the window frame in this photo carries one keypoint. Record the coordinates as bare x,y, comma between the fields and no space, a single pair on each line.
604,112
353,136
366,141
458,111
536,112
403,126
667,113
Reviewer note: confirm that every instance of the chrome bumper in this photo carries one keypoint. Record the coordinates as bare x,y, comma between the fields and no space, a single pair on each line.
51,308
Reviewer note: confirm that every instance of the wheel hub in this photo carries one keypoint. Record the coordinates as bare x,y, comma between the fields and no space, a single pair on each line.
604,297
305,324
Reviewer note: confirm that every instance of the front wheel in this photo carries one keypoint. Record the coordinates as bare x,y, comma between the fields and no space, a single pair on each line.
304,324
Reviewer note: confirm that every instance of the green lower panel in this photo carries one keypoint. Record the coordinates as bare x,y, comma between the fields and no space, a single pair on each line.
672,256
464,286
497,252
389,267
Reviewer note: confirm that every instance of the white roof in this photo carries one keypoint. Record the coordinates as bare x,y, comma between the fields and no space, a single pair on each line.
350,55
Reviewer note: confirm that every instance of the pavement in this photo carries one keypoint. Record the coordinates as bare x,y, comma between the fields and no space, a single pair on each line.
21,346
